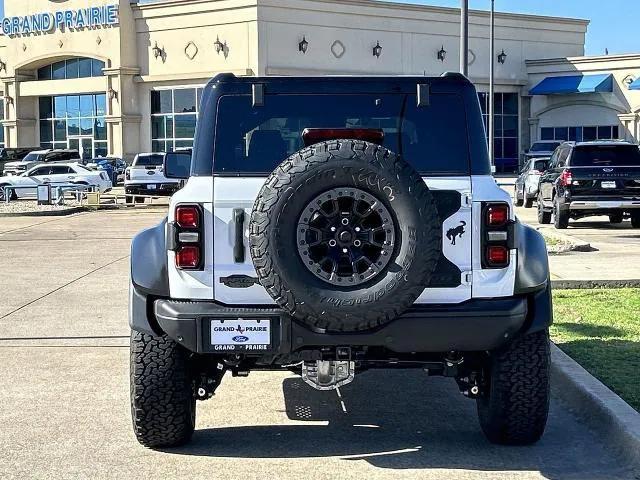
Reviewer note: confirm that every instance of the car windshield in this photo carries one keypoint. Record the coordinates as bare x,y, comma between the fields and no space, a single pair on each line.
433,139
34,157
544,147
605,155
154,160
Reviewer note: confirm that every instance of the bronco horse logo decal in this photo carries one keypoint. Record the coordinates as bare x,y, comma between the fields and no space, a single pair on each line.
458,231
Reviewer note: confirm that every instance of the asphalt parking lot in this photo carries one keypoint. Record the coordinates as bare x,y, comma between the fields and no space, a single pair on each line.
65,406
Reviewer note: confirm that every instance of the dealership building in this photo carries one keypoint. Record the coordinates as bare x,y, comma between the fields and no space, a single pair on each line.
116,78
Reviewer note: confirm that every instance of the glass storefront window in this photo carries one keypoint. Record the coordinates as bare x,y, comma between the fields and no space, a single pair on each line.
68,121
185,100
60,107
72,68
96,68
506,128
580,134
87,105
100,129
185,126
46,107
58,71
1,127
84,67
73,106
60,130
174,117
73,126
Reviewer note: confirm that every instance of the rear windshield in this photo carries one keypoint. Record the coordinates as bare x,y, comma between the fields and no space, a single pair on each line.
544,147
540,165
599,155
148,161
255,140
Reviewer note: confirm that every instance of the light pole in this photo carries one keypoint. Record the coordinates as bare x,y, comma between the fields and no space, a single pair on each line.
464,37
491,86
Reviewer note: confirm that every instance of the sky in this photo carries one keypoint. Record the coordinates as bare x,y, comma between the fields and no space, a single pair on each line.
613,25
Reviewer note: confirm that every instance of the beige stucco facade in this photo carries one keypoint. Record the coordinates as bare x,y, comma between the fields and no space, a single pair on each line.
259,37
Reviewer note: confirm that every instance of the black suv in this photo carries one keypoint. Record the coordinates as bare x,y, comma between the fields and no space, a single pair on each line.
334,225
591,178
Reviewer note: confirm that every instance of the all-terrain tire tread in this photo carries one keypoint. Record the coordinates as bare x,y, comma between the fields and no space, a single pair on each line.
162,400
516,408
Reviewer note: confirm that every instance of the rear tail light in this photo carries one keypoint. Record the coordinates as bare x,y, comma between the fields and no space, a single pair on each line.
188,257
188,217
497,215
497,235
497,255
565,177
187,237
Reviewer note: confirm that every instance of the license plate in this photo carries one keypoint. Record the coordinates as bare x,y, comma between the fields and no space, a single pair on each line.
241,334
608,184
151,187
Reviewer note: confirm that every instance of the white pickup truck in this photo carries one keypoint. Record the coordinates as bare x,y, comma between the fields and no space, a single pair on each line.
145,177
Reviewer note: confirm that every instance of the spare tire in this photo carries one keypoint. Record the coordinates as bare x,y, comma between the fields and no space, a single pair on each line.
344,235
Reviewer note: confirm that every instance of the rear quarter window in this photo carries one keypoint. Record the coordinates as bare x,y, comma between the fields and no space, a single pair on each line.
248,140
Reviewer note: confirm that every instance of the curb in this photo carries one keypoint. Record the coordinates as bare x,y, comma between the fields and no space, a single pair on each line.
574,244
591,284
47,213
600,408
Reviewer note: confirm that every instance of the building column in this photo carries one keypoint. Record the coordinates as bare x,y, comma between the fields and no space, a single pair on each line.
630,125
9,124
533,129
122,117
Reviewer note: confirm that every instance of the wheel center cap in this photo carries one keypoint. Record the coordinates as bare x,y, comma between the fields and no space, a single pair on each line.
345,236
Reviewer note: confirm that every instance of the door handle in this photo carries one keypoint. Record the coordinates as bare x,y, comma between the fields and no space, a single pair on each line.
238,244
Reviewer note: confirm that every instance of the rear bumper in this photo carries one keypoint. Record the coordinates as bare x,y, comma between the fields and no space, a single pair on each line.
476,325
603,204
143,189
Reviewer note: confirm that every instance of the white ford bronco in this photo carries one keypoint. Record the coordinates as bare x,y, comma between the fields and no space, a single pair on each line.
334,225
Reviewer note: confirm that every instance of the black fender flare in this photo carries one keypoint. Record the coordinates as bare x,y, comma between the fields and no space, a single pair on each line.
532,269
533,277
149,277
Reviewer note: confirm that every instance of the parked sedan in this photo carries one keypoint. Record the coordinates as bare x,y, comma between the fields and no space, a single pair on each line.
53,174
526,187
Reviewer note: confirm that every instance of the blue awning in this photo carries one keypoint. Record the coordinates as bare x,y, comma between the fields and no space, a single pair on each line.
574,84
635,85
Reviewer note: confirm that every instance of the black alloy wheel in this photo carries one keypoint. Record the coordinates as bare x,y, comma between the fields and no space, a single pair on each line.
346,236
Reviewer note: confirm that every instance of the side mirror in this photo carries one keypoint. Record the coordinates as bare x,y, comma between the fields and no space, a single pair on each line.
177,165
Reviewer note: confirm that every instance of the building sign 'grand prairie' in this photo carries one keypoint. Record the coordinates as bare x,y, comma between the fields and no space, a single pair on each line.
91,17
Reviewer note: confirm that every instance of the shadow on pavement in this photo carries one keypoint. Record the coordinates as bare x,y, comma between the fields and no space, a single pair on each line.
404,420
